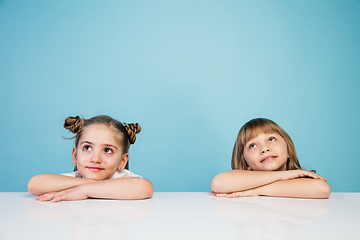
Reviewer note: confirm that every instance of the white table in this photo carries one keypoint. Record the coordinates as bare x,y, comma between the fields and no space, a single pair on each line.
181,216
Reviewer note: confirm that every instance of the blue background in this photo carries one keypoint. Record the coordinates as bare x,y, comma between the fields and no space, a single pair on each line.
190,72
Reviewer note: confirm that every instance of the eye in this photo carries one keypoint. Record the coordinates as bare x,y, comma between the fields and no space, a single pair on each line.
271,139
252,145
87,148
108,150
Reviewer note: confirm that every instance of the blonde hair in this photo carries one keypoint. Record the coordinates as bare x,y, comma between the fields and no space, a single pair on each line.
127,131
254,128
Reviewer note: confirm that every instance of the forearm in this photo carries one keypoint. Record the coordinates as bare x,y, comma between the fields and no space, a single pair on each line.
45,183
296,188
120,188
240,180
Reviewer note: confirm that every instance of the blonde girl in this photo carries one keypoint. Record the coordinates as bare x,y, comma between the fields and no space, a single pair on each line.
265,163
100,157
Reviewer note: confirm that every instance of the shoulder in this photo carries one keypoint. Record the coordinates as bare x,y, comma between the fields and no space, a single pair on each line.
124,173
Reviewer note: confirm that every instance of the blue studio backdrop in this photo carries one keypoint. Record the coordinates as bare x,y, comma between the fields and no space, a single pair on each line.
191,73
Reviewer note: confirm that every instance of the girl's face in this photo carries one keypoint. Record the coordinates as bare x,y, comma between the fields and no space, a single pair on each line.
266,152
99,152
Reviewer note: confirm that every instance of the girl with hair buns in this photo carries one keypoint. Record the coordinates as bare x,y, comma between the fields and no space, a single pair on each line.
265,163
100,157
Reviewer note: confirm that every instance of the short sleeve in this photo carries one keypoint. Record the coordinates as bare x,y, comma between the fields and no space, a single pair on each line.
72,174
124,173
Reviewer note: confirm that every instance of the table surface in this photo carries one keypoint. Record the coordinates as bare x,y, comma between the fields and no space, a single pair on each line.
181,215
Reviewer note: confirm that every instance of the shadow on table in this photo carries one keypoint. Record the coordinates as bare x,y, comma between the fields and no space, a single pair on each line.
93,218
268,217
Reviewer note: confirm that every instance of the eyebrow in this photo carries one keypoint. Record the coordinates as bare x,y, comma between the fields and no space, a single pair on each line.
105,144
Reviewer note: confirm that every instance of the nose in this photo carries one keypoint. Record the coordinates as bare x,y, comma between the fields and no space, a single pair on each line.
96,157
265,149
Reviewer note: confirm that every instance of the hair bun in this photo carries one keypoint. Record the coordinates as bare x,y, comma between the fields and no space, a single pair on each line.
132,129
74,124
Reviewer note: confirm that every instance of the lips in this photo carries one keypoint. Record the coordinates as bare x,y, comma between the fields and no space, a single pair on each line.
268,159
95,168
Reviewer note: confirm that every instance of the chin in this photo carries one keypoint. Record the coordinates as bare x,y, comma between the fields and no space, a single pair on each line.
92,177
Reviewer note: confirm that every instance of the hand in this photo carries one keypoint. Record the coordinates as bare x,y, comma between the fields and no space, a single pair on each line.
246,193
71,194
292,174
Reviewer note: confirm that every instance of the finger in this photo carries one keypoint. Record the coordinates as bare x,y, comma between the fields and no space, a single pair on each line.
235,195
57,198
312,175
232,196
41,196
221,194
37,197
212,194
44,197
309,174
319,177
249,193
322,178
315,176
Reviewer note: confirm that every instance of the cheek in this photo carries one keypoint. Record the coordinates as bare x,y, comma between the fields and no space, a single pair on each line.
82,157
247,157
114,162
285,149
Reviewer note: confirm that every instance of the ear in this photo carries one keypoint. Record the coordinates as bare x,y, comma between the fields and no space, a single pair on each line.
123,161
74,155
247,166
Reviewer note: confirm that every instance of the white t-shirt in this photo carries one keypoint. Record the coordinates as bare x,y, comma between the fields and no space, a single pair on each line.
117,174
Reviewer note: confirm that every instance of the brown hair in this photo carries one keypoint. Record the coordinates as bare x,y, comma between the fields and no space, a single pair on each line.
252,129
127,131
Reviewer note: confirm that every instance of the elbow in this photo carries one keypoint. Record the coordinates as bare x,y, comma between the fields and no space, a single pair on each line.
35,185
323,189
31,186
147,189
217,184
326,190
